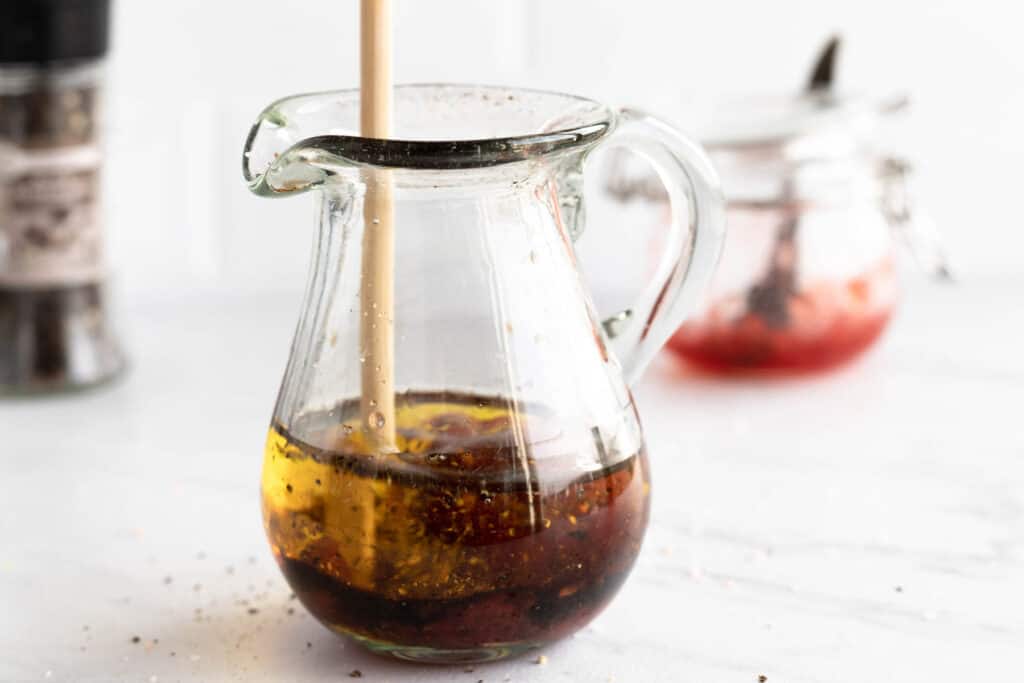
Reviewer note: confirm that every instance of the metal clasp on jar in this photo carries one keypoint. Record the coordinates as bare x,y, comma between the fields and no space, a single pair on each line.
914,228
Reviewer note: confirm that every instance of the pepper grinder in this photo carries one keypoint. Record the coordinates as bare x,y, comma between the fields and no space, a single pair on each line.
54,330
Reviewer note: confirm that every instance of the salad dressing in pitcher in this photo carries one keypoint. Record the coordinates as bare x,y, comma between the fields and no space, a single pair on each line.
487,525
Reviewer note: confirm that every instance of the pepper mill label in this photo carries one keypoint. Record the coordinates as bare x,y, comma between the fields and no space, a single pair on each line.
50,232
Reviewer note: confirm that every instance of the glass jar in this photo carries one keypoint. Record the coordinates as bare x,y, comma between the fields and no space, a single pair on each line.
808,275
54,333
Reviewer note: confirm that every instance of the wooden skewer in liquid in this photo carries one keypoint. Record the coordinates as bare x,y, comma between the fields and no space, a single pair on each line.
377,347
376,292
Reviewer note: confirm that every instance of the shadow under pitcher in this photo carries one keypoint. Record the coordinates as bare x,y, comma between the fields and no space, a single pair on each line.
511,501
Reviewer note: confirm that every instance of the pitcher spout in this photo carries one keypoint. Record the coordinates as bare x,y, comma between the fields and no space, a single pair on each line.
281,157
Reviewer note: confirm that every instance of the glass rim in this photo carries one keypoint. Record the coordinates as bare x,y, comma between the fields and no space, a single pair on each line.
560,122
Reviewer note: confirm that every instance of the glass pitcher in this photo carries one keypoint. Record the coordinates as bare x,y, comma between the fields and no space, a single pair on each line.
508,501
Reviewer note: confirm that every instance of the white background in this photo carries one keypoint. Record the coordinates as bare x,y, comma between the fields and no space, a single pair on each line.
188,77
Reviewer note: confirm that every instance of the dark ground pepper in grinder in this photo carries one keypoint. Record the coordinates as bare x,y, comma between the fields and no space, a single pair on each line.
53,328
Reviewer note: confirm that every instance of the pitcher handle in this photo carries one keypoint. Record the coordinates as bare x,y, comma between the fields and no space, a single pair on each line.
695,242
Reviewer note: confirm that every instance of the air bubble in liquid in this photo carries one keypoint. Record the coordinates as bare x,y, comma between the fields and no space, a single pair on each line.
376,419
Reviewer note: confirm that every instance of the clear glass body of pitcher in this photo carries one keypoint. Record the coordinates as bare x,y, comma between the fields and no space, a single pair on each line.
508,501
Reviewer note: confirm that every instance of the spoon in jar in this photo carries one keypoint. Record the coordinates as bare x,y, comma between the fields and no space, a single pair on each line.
769,298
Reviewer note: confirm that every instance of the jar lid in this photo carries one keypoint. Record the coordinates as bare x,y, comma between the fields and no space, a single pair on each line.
814,126
41,31
770,148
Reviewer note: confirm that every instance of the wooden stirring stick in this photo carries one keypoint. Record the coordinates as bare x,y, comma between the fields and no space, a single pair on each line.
377,344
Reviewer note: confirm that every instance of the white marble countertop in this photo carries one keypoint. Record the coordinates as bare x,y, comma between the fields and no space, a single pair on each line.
863,526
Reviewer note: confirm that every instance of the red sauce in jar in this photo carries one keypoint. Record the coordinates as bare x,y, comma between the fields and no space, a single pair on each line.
828,324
